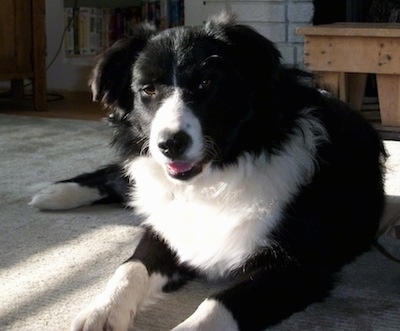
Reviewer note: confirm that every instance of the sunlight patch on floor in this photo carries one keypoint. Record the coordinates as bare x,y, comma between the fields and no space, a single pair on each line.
392,184
60,269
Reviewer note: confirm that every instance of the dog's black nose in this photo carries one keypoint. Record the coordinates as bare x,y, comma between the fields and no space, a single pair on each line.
174,145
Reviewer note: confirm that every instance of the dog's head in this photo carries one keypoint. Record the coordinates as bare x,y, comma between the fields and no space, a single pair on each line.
190,96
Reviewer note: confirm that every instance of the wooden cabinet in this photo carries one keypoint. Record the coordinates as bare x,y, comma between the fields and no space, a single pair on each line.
23,47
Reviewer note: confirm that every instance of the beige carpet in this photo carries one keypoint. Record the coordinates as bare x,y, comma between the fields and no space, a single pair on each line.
53,263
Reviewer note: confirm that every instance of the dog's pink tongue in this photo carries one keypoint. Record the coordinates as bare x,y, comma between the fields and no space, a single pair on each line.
179,167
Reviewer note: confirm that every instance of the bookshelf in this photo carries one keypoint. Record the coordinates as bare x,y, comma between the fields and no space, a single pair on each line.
76,69
92,26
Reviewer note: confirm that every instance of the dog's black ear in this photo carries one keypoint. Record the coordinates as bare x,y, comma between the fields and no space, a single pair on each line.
255,56
111,77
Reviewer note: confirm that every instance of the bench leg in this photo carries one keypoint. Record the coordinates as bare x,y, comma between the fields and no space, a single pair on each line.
355,86
349,87
331,81
389,99
39,95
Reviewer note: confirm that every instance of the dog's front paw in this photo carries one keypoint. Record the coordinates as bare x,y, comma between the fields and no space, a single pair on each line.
68,195
209,316
116,307
103,316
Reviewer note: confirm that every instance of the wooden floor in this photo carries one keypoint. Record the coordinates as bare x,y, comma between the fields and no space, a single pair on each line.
70,105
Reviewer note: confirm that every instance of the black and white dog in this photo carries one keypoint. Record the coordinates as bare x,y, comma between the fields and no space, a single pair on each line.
241,168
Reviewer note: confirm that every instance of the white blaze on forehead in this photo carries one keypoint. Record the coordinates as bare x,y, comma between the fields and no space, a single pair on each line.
173,116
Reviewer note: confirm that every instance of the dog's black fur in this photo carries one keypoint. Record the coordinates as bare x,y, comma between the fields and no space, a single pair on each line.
316,164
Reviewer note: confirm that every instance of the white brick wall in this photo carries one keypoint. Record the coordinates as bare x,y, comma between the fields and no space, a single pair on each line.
275,19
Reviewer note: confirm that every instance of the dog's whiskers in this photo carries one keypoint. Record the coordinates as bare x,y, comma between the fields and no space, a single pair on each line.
211,149
144,151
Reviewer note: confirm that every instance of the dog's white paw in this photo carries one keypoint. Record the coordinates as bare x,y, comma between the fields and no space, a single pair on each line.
101,316
209,316
116,307
64,196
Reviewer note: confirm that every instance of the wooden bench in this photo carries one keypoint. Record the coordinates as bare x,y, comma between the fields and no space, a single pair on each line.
343,53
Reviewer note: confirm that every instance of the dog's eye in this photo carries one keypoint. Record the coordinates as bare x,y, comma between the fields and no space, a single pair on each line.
205,83
149,89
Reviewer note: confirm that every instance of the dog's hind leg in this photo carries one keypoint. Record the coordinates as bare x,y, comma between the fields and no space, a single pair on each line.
106,185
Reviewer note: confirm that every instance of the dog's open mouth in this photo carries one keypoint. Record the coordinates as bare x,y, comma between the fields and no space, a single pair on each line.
183,170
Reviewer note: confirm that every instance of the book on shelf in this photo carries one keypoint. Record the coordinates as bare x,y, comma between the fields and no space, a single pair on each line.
90,30
175,18
84,31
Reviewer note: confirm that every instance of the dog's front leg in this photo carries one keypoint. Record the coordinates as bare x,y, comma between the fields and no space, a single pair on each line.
115,308
152,269
261,298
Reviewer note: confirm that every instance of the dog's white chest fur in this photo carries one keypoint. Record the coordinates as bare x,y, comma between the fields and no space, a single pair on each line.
213,223
221,217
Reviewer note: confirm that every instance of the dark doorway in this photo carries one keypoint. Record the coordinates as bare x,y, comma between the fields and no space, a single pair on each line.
331,11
